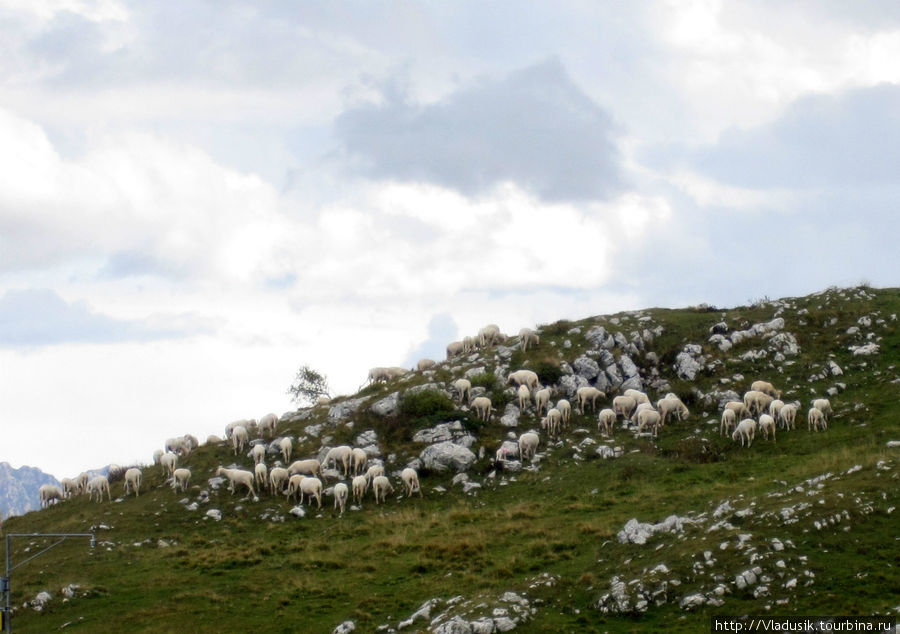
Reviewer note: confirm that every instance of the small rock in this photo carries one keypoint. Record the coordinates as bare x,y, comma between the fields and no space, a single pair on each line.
215,514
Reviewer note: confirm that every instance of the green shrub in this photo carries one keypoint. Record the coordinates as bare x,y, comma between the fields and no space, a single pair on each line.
548,372
487,380
426,403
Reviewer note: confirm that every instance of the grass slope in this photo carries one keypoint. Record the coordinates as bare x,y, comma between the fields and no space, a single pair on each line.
551,534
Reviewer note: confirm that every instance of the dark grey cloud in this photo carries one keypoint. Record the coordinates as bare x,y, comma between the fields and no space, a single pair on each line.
534,127
851,139
38,317
442,329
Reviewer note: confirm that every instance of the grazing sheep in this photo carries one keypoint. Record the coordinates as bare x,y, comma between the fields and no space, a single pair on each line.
542,399
606,421
455,348
669,405
261,471
565,408
824,406
757,402
649,417
381,486
526,377
358,460
551,422
286,448
258,453
340,454
360,484
82,480
527,337
181,478
463,389
524,395
745,429
293,488
729,420
310,467
132,481
425,364
178,445
157,455
277,477
482,406
816,419
168,462
229,428
765,387
775,408
373,472
238,477
267,425
586,393
468,344
528,444
239,438
739,409
638,396
766,426
377,374
489,335
340,496
49,493
213,440
411,480
624,406
788,415
69,487
99,484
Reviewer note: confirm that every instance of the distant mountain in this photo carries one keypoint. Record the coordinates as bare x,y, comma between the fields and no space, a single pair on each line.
19,489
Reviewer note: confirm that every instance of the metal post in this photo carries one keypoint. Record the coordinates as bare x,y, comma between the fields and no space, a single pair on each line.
10,568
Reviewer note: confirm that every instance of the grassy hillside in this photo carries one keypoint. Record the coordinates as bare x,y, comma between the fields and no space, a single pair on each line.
813,512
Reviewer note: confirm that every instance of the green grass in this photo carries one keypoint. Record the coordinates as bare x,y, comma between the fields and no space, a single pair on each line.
377,565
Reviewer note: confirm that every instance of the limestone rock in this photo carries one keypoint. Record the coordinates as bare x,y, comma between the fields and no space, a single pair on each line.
447,456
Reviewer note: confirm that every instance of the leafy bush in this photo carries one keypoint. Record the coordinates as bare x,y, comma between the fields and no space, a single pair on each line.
487,380
548,372
427,403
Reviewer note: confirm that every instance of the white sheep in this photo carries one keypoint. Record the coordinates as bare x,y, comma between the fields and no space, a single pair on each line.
526,377
588,393
775,408
373,472
671,404
565,408
468,344
816,419
489,335
649,417
310,467
524,395
729,420
740,410
767,426
463,389
49,493
528,444
168,462
239,438
542,399
267,425
411,480
360,484
482,406
323,400
340,493
757,402
551,422
381,486
340,454
181,478
229,428
787,415
82,481
638,396
377,374
746,429
178,445
527,337
277,477
765,387
132,481
425,364
99,484
824,406
69,487
455,348
157,455
293,488
238,477
258,453
286,447
212,440
606,420
261,471
358,460
624,406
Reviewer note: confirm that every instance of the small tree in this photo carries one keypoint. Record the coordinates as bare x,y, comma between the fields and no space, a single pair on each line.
308,386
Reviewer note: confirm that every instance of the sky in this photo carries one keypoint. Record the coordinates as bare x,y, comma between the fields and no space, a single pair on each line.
197,198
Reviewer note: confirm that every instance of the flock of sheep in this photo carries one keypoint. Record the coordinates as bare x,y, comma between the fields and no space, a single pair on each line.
760,409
